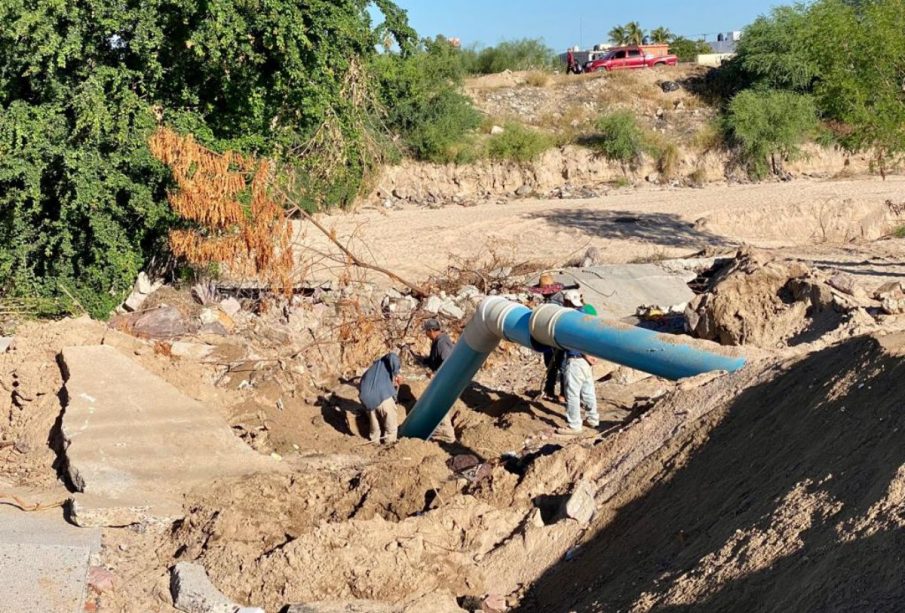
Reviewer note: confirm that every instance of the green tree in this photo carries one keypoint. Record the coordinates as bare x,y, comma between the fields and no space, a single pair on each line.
769,126
618,36
688,50
84,83
522,54
661,35
634,33
620,138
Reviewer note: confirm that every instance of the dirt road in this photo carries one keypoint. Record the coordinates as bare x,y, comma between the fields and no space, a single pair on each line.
625,225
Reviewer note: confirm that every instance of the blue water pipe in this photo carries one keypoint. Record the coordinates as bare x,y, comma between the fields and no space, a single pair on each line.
663,355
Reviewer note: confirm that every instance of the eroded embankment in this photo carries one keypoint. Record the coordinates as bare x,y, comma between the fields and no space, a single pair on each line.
794,500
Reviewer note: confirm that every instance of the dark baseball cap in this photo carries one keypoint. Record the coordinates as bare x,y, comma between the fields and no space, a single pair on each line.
431,325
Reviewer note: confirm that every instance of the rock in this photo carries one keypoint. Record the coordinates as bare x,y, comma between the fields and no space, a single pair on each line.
143,283
678,105
462,462
214,328
847,285
580,504
5,343
669,86
468,292
659,113
432,304
134,301
194,351
494,603
497,130
653,177
452,310
524,190
230,306
100,579
162,323
193,592
400,192
208,316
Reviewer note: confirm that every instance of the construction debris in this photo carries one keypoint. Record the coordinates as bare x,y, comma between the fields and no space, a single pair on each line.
193,592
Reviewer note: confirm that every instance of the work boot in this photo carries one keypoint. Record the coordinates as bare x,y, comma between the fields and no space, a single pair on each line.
568,431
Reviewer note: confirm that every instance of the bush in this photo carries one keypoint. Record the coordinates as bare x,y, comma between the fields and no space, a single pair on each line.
518,144
83,85
620,138
537,78
668,160
765,124
523,54
423,104
847,55
688,50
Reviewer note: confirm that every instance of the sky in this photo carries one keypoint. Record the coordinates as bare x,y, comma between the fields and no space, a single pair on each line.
564,24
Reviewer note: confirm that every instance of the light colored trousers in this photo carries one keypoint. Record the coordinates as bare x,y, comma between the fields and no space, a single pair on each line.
579,380
387,413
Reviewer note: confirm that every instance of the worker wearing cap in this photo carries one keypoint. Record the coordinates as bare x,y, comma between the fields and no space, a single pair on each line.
441,348
578,378
552,293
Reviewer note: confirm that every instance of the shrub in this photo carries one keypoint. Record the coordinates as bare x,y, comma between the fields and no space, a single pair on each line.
668,160
83,85
523,54
423,104
770,123
518,144
619,138
537,78
688,50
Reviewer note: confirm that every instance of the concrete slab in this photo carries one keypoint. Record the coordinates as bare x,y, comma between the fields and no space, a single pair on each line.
618,290
43,561
135,444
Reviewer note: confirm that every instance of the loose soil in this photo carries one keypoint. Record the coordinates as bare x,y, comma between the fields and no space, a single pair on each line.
779,487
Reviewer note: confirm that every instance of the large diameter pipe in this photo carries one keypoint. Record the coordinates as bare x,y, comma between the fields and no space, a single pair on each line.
551,325
495,319
663,355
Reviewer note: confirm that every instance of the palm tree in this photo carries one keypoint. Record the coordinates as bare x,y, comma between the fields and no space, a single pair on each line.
661,35
618,36
633,33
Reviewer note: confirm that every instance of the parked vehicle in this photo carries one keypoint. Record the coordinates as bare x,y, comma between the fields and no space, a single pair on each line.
623,58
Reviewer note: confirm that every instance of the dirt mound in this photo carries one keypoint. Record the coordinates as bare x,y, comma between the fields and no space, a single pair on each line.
756,300
790,498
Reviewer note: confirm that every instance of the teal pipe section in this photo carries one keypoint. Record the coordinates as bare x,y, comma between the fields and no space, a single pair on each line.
551,325
663,355
447,385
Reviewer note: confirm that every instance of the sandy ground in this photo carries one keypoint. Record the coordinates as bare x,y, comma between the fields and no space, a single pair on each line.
631,224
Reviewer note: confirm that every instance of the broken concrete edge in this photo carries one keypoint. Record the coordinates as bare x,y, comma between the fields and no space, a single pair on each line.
193,592
87,511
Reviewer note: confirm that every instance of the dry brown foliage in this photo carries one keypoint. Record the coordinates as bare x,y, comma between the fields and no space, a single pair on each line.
233,221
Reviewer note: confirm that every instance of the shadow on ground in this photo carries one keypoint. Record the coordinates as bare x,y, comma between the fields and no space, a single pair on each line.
831,425
663,229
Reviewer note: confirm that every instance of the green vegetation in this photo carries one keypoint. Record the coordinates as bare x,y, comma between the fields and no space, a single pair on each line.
523,54
661,35
518,144
629,34
847,55
767,124
620,138
899,232
83,84
420,92
688,50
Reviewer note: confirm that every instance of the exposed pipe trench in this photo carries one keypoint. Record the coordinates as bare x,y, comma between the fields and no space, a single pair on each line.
496,319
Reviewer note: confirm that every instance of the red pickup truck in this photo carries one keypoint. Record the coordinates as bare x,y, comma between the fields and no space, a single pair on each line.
622,58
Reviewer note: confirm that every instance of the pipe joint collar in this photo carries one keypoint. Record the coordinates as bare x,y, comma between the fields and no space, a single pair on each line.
484,332
543,324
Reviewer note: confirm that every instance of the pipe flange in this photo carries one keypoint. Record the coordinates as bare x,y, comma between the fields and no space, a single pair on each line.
543,324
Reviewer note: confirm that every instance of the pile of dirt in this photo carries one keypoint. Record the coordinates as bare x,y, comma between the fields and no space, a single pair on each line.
789,497
755,299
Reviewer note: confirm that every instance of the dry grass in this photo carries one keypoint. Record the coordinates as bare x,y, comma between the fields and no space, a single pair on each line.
537,78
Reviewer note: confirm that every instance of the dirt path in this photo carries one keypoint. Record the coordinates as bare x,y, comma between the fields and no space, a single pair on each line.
625,226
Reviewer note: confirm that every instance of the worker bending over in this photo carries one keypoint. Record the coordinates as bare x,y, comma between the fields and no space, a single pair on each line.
377,391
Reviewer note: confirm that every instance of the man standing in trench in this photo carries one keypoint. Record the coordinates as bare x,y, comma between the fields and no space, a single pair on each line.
377,392
578,377
441,349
